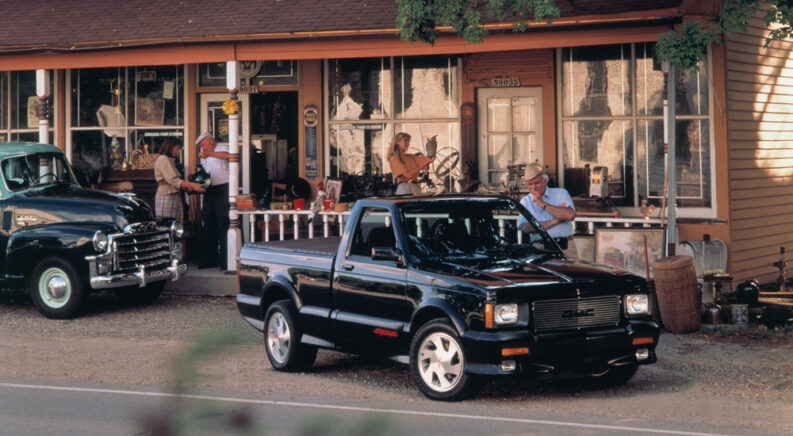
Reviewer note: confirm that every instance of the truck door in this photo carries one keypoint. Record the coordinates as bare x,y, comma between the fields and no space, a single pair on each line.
369,295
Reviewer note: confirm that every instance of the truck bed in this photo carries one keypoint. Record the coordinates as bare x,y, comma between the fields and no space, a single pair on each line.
317,246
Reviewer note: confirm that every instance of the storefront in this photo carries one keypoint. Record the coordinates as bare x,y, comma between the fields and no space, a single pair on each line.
319,101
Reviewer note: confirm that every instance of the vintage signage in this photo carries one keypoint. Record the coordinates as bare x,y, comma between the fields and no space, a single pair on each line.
248,89
504,82
310,122
360,127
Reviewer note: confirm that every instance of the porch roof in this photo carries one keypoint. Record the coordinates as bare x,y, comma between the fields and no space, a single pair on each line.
57,26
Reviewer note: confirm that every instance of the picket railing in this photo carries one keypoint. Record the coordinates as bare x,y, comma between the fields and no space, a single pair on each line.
298,221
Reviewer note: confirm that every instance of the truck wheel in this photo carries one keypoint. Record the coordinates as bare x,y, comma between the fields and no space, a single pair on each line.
437,362
282,340
56,289
136,294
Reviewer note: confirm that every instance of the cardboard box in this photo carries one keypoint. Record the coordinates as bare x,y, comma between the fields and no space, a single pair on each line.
246,202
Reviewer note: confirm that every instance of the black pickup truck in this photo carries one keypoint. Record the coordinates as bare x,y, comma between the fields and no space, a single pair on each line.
448,285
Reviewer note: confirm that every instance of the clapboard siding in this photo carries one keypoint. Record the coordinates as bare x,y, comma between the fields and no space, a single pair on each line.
760,149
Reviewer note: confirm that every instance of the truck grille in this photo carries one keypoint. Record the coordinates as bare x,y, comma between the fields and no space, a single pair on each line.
152,250
576,313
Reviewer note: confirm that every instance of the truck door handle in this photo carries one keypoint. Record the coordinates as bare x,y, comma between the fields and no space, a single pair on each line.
348,267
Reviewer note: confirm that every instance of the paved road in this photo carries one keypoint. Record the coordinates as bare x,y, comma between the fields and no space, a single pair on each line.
36,408
101,373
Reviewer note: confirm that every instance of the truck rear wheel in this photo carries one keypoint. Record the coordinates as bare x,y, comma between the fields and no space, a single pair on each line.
437,362
56,288
282,339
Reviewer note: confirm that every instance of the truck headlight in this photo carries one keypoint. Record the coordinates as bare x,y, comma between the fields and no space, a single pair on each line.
637,304
506,313
100,241
177,230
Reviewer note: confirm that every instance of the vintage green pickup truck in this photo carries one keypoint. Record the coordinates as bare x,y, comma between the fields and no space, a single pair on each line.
63,241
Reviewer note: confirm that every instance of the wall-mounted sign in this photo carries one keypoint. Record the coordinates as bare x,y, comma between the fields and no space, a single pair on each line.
505,82
310,122
146,76
248,89
249,69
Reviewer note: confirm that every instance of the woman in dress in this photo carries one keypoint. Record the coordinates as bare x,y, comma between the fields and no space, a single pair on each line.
168,201
406,167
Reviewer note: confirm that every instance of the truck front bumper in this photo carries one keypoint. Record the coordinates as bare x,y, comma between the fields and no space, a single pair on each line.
589,352
141,278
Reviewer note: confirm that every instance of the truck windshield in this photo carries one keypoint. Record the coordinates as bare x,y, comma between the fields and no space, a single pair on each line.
37,169
465,227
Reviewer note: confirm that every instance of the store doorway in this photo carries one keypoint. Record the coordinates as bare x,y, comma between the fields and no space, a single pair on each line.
273,139
510,130
216,122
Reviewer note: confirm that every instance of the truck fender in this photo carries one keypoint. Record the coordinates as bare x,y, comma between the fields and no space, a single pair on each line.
70,241
279,287
436,308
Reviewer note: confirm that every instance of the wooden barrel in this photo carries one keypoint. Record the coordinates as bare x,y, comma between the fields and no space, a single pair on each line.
678,297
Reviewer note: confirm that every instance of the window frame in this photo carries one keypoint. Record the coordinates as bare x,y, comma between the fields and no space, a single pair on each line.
130,90
8,132
392,122
634,118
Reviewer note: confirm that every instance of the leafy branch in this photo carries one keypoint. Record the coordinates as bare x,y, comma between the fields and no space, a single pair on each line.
418,20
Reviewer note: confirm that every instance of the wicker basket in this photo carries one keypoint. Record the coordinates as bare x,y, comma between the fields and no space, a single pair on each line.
678,297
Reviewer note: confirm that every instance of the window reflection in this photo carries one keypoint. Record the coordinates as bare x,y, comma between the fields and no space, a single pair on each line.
602,120
359,89
369,101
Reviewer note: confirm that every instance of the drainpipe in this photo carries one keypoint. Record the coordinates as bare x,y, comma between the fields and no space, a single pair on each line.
234,242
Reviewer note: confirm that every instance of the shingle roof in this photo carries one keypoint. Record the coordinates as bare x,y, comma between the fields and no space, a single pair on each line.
52,23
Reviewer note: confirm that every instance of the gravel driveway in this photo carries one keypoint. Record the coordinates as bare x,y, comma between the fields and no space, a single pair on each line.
743,379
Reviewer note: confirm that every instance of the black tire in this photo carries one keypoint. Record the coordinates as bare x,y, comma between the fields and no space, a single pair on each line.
282,340
616,376
449,382
138,295
56,289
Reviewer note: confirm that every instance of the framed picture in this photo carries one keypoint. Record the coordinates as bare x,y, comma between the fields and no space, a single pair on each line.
333,189
585,245
623,248
33,112
150,112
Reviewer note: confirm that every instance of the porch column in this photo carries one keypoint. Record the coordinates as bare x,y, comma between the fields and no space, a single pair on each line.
231,107
671,160
43,92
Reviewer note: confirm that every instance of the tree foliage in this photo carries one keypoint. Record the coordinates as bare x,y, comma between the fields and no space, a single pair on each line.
418,20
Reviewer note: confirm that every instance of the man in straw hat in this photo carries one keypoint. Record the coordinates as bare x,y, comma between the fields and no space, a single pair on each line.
552,207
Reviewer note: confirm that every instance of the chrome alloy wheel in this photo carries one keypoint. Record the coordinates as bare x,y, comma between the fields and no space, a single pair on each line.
54,288
440,362
278,337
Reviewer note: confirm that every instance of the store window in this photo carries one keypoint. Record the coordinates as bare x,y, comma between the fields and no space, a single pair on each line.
253,73
118,114
19,106
370,100
612,116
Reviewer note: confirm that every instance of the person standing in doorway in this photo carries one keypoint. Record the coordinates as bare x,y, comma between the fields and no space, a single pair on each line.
168,201
552,207
406,167
215,211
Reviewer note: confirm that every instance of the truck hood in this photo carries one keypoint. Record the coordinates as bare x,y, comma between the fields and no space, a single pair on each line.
533,272
69,203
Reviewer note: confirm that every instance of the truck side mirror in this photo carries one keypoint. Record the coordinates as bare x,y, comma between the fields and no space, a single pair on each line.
386,253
